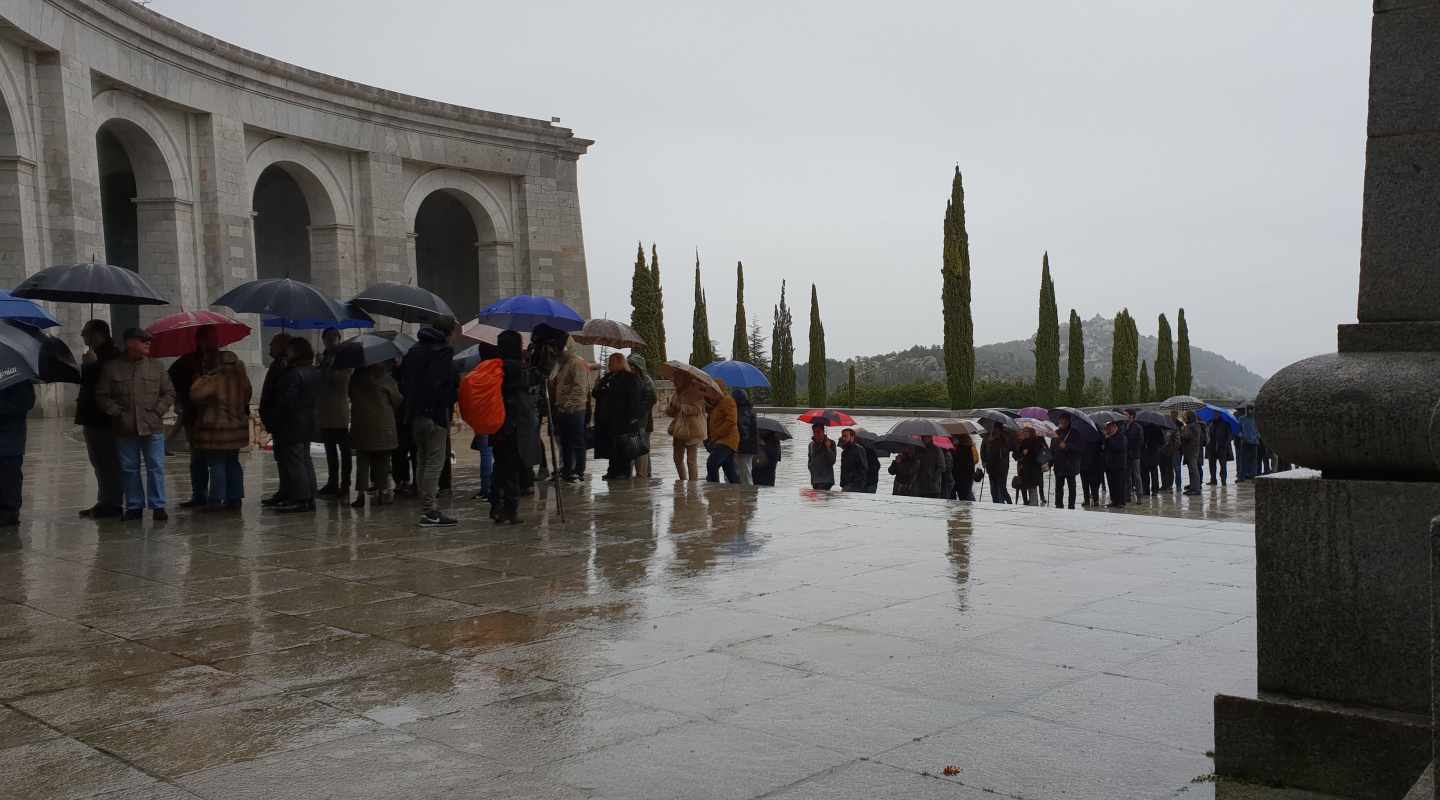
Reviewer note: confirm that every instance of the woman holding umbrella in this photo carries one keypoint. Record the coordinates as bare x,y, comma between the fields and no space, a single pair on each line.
618,420
374,400
1031,469
1067,452
687,424
219,402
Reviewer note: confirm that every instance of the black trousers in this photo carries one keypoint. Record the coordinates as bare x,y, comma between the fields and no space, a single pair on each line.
12,480
1061,482
402,458
964,488
1117,478
509,478
337,456
999,492
297,471
1149,478
1093,480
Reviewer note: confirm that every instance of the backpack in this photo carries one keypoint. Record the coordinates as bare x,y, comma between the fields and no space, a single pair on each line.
482,404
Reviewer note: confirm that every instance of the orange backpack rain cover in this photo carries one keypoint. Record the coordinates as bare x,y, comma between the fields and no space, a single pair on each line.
482,405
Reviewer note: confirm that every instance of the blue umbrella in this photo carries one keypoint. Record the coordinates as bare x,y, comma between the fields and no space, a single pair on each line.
738,375
1210,413
525,312
18,309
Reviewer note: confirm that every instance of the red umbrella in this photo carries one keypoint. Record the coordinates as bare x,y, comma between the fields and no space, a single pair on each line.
828,417
175,335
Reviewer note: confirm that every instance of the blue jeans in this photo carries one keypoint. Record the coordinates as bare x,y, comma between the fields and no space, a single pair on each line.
721,458
226,477
1179,466
151,492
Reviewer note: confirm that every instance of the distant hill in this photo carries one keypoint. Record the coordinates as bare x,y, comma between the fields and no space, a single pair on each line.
1015,360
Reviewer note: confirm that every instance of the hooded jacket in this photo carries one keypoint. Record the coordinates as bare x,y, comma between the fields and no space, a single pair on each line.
724,424
648,396
746,423
427,379
854,467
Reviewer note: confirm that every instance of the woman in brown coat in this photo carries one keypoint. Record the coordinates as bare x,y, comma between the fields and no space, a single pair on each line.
687,425
220,401
374,399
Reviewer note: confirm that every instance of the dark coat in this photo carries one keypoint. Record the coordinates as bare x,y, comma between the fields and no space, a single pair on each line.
872,470
854,467
1134,441
427,379
293,421
995,453
373,403
1154,444
763,471
929,472
618,410
269,400
1219,445
522,422
87,413
1068,452
182,375
903,468
1192,442
821,461
745,420
1115,452
1092,456
15,404
1031,467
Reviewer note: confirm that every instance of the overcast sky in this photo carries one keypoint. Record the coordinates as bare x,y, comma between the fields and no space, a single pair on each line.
1204,154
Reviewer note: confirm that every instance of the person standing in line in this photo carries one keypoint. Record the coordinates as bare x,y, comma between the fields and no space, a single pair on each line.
98,427
724,427
1192,442
1247,461
570,392
15,404
333,417
135,393
374,399
929,478
854,463
648,399
1092,470
904,467
1151,458
872,467
947,476
220,401
1030,470
820,459
183,372
767,459
687,425
1219,448
403,466
1067,456
749,436
995,454
279,351
1117,464
967,458
517,443
428,384
293,425
1176,447
1134,444
618,422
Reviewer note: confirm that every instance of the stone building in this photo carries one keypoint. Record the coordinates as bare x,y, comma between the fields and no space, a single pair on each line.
129,138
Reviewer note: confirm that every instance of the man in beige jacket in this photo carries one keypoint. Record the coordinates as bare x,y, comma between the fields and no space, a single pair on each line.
570,390
135,393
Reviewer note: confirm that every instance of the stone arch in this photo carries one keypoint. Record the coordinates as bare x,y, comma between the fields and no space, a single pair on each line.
331,231
161,168
19,240
329,203
490,214
16,139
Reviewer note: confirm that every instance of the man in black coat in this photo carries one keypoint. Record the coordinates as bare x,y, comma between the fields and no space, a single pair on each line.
1117,463
98,431
428,383
854,463
1066,454
16,401
290,416
1134,444
270,406
929,469
517,443
1219,447
1150,458
964,466
995,455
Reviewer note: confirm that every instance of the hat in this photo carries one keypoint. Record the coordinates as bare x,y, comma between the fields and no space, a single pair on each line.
136,333
638,361
546,334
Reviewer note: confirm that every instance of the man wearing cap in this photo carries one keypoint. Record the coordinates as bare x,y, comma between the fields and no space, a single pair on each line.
570,392
430,387
135,393
99,432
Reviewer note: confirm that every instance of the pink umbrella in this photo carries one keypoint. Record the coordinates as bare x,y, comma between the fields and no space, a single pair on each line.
174,335
1035,412
480,333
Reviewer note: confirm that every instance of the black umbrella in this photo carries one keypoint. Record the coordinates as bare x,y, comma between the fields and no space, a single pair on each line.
774,426
364,350
1150,417
867,438
89,283
19,356
286,299
999,417
1103,418
919,426
470,357
1079,420
402,302
57,361
402,340
890,444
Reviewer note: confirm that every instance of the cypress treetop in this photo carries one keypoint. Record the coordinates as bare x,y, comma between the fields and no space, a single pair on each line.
955,296
782,354
1164,362
1144,396
700,352
1047,341
817,371
1075,375
661,355
1183,375
642,308
740,345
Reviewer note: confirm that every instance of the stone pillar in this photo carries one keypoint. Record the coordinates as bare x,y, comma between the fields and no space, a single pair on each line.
1343,554
19,244
332,260
498,276
223,205
386,238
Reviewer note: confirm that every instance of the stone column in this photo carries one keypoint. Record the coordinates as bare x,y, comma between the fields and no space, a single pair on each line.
498,278
167,254
332,260
1343,554
385,236
227,236
19,243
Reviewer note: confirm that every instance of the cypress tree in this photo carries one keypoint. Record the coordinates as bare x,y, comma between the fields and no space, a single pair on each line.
959,325
1123,355
782,355
758,355
1144,395
850,387
1164,362
1047,341
660,353
700,353
1075,379
642,308
1183,376
817,352
740,345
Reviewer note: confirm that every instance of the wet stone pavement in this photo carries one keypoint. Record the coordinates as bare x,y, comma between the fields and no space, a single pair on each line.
667,641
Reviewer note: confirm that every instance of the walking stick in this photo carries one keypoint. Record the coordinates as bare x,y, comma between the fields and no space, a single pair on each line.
554,465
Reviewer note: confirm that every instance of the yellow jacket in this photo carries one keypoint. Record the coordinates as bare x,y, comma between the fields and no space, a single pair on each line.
725,424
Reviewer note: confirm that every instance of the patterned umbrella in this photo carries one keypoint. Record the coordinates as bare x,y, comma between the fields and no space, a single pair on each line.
996,416
828,417
1040,426
1182,402
480,333
1035,412
680,372
961,427
1103,418
608,333
174,336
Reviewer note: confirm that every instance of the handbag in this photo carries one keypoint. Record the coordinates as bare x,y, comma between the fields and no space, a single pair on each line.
630,446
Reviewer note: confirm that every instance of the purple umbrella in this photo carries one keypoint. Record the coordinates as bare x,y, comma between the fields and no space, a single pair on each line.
1035,412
